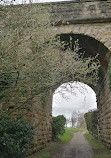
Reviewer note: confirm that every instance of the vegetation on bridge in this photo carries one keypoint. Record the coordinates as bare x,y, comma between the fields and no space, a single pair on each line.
32,60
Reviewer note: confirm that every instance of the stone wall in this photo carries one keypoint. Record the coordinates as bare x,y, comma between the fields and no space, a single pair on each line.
82,12
42,119
104,112
91,19
40,115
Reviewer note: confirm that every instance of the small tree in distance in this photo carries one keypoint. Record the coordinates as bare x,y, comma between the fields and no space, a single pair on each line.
73,119
81,121
67,122
77,120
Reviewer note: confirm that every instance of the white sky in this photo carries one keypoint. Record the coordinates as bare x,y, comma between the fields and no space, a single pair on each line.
33,1
83,100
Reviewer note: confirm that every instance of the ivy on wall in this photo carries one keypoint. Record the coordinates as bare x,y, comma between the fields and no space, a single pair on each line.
92,122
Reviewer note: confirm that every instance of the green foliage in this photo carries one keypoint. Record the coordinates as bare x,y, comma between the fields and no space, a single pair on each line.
92,122
66,137
45,154
58,126
99,150
31,59
16,137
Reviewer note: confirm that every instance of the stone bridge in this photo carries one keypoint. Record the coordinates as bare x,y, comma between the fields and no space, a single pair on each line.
90,22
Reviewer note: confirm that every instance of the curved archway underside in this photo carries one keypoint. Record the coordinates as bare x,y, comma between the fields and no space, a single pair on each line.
91,45
91,23
93,38
93,42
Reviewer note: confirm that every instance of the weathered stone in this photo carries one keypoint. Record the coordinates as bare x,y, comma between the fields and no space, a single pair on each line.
88,19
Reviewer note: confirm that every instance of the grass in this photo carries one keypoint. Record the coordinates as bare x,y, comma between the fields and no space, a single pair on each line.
75,130
53,147
45,153
99,149
66,137
62,139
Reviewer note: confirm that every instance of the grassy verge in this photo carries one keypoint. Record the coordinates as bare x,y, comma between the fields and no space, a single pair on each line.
54,146
99,150
62,139
75,130
66,137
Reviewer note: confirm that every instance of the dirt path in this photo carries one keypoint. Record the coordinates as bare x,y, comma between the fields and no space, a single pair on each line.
78,147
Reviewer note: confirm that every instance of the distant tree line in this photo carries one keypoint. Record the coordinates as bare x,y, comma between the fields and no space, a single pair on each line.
76,120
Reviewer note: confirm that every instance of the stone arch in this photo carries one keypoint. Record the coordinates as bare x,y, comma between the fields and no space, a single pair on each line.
100,32
44,132
101,36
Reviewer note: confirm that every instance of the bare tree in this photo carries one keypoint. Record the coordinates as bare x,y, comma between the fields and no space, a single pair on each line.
81,121
67,122
73,119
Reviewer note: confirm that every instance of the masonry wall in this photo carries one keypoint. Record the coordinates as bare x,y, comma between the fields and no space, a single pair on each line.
82,12
42,119
76,13
104,112
39,113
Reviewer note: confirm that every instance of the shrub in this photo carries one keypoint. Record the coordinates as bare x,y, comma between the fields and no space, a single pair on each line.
92,122
58,125
16,137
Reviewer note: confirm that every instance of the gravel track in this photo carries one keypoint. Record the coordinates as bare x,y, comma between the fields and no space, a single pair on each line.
78,147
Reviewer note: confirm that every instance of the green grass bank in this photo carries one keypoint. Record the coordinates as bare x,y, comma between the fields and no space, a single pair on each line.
100,151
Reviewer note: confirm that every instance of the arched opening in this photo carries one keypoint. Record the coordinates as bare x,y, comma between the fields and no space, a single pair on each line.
73,97
88,45
91,47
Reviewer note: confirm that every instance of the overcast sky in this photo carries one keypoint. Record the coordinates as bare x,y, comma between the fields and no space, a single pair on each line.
33,1
83,99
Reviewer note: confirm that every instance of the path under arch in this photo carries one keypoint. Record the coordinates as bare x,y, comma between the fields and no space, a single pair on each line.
78,147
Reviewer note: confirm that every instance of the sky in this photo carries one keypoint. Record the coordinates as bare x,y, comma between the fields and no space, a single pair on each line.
33,1
82,99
